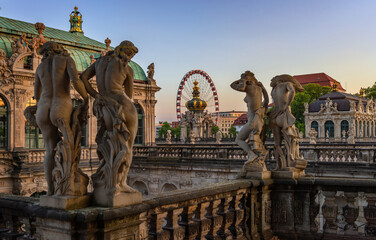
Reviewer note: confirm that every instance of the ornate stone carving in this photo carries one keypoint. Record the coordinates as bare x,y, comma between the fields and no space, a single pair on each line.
151,71
341,202
117,116
253,132
361,222
168,138
108,49
312,136
54,113
329,107
218,137
19,46
319,219
40,40
351,138
281,122
4,69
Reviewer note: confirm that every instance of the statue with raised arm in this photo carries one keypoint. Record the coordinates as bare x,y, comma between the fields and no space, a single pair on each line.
117,117
251,137
281,121
55,116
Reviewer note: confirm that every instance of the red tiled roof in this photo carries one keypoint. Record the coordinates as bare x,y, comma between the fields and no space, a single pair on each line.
319,78
241,120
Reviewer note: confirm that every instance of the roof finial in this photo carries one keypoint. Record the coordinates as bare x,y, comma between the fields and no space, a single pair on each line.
361,92
335,86
76,21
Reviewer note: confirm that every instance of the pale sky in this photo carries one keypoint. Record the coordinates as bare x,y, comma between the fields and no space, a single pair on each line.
226,38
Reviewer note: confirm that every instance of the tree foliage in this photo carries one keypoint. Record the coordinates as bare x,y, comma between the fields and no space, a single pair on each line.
370,92
215,129
232,132
311,93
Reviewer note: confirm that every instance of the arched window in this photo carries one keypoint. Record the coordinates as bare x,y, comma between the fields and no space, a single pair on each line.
345,127
141,187
169,187
315,126
33,135
329,127
140,131
4,114
76,102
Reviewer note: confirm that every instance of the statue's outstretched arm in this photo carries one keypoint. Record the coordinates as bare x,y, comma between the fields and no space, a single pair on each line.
77,83
291,96
37,87
128,83
85,76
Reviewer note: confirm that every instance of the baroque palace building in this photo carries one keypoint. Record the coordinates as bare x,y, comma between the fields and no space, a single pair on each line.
19,44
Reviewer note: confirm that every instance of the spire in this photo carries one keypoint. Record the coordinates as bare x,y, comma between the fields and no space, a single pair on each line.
76,21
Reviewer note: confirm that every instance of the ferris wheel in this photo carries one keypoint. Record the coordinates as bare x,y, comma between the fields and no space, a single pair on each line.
208,93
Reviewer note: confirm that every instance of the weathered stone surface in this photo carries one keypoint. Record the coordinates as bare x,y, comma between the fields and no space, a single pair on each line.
251,137
65,202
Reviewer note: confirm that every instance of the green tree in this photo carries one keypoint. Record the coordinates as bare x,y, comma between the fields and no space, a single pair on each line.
163,131
215,129
177,131
232,132
311,93
370,92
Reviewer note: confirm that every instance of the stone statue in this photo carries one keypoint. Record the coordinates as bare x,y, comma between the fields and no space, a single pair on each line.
4,69
92,59
312,136
351,138
192,136
281,121
55,113
183,129
20,45
151,71
168,138
117,116
252,133
40,40
108,43
218,137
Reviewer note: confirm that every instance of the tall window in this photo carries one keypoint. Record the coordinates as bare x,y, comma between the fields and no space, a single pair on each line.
140,131
329,127
3,123
76,102
315,126
345,126
33,135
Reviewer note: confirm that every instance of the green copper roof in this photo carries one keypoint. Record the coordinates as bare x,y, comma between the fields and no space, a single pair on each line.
138,73
17,27
79,47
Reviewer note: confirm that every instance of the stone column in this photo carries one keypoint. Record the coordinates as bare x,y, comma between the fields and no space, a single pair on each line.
337,129
321,133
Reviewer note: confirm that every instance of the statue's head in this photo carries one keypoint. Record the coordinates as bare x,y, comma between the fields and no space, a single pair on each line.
125,51
51,48
286,78
245,79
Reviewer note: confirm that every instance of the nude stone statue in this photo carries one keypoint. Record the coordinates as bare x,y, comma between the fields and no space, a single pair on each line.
117,116
252,131
281,121
54,104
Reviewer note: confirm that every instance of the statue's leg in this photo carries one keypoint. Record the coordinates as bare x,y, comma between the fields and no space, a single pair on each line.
241,141
50,137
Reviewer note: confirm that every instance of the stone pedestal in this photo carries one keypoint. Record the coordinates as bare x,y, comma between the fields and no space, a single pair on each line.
65,202
116,200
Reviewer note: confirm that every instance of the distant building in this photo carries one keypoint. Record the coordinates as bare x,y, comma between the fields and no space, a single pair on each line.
336,114
226,120
240,122
174,124
319,78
